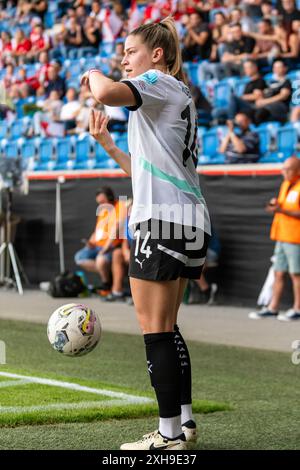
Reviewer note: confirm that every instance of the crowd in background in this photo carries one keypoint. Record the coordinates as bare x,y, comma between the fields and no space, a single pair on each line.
228,38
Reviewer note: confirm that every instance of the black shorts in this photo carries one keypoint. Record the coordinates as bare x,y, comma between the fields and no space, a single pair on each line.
164,251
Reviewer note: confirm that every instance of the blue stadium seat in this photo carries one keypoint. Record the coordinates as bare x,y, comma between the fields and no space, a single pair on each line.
265,140
28,149
240,86
18,128
63,154
11,149
3,129
72,54
287,140
87,52
83,148
73,82
104,66
74,69
91,63
122,142
49,19
106,49
45,155
210,148
222,92
102,160
31,69
191,69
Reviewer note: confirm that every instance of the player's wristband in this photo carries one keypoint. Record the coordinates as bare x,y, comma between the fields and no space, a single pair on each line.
94,70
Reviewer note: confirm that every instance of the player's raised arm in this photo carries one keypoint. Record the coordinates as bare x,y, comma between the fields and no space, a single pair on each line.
106,90
98,129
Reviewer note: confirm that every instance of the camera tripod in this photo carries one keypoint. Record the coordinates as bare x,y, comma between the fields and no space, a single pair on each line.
7,247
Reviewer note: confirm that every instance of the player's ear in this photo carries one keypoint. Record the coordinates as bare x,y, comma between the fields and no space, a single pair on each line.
157,54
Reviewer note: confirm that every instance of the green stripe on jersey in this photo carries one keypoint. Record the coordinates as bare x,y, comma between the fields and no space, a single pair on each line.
180,184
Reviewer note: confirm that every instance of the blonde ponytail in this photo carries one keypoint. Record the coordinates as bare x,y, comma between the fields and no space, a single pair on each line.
175,69
164,35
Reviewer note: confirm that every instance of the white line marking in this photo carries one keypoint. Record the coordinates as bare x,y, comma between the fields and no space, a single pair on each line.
62,406
80,388
13,383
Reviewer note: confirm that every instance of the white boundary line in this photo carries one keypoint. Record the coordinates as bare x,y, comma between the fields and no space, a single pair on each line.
63,406
125,397
13,383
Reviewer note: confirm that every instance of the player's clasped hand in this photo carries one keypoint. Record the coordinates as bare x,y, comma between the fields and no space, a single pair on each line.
85,79
98,128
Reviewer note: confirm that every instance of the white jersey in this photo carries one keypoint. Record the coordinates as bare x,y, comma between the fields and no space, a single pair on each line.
162,140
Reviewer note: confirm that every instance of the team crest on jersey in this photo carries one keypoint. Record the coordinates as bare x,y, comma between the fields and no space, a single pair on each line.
150,77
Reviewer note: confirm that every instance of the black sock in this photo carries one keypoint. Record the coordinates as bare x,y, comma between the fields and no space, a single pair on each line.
164,371
185,364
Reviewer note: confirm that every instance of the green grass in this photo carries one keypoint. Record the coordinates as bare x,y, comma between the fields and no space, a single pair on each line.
261,387
43,404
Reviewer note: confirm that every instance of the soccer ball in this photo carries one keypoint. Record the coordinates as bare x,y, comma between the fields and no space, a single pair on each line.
74,330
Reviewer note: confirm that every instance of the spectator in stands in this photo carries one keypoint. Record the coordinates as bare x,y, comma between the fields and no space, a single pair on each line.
24,84
72,34
91,33
274,42
290,13
39,41
267,43
9,77
80,15
198,40
5,47
55,81
49,114
96,256
43,67
219,27
115,69
233,52
119,49
96,12
272,103
237,15
87,102
285,231
253,9
21,46
70,109
269,11
240,145
237,49
289,44
33,8
246,102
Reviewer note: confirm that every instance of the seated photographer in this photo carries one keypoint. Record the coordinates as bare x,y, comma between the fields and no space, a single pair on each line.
240,145
96,256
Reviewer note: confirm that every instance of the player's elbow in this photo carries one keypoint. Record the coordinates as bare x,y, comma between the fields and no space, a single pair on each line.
102,96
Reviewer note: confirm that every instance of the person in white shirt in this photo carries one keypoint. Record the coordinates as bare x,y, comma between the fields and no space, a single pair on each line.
169,215
70,110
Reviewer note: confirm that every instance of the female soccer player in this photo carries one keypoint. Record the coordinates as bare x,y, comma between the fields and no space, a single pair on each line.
169,216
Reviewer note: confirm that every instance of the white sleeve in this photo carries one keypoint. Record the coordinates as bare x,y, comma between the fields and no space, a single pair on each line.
149,89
